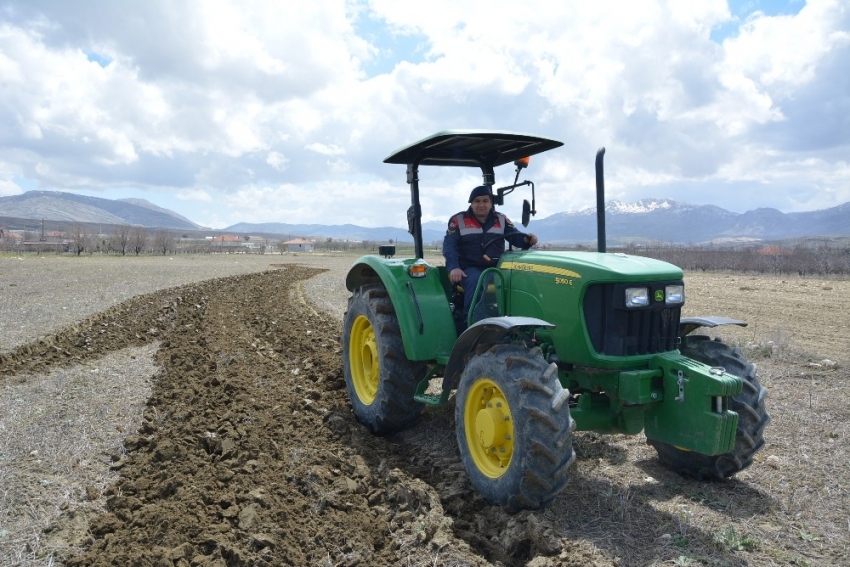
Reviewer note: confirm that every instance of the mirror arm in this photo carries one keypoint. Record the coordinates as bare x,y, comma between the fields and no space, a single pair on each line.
533,205
502,191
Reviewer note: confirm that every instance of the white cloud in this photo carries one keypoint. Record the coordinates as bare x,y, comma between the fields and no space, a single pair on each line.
294,204
195,195
231,103
325,149
277,160
339,166
9,188
783,51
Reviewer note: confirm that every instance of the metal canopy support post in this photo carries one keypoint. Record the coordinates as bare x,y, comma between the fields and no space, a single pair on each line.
415,213
487,175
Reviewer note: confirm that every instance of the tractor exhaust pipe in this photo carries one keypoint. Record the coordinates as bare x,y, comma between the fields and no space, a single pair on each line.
600,202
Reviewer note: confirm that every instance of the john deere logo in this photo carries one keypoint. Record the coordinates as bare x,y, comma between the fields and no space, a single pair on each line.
659,295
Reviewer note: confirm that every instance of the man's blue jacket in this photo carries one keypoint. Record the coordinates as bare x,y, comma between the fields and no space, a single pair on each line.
468,243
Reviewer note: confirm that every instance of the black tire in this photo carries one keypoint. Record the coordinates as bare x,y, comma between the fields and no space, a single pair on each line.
381,380
749,404
514,428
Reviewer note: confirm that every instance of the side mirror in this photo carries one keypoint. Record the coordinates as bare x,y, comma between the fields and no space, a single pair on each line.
526,212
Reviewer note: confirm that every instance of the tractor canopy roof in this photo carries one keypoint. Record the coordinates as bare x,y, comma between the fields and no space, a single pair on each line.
472,148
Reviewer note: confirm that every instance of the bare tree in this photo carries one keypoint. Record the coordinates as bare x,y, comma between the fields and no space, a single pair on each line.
138,239
120,238
80,237
163,241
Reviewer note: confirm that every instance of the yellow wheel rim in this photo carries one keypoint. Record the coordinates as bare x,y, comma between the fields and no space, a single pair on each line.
489,428
363,360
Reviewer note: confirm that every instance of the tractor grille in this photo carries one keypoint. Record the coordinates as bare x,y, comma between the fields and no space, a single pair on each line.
617,331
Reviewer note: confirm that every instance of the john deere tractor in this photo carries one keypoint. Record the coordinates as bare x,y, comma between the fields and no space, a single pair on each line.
556,341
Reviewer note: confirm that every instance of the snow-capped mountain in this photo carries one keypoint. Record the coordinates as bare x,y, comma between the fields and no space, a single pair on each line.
668,220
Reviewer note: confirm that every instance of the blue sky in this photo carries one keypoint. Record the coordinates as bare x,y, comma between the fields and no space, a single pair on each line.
258,111
741,10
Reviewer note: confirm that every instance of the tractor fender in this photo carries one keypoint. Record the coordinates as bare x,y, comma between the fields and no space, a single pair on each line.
420,303
485,331
688,324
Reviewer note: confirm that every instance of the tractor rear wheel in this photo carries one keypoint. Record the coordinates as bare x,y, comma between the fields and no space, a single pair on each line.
381,380
749,404
513,426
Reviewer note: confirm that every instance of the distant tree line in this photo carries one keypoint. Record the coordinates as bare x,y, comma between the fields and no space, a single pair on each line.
124,240
822,260
808,258
79,239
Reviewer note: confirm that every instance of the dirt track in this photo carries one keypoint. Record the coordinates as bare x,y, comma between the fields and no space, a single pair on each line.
249,455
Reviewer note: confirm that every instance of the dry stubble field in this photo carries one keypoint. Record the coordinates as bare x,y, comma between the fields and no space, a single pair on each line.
207,424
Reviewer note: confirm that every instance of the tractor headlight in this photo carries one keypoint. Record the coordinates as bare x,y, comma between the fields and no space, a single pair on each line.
637,297
674,294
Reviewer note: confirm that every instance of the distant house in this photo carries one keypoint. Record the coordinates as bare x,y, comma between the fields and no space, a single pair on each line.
227,243
224,238
299,245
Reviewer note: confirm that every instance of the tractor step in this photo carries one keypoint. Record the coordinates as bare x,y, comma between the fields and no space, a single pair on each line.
429,399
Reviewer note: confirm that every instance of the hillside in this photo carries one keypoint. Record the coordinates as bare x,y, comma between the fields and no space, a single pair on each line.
59,206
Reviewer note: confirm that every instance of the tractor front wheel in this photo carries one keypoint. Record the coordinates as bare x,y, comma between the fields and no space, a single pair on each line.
381,380
513,426
749,404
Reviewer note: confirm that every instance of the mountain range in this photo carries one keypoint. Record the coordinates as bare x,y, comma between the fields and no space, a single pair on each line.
674,221
664,220
68,207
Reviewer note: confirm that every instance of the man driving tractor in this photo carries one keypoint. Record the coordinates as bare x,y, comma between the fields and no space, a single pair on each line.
475,240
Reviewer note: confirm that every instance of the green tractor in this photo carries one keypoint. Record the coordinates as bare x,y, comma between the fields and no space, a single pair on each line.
554,342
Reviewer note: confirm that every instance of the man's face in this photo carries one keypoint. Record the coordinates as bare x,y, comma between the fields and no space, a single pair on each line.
481,206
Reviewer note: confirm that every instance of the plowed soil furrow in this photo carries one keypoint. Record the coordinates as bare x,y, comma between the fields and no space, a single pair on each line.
248,454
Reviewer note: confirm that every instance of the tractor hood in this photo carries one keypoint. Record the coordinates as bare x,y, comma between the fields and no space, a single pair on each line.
595,266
